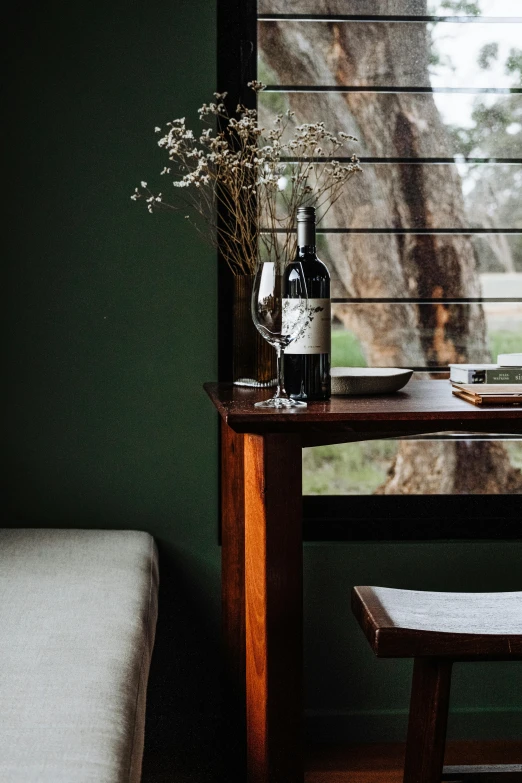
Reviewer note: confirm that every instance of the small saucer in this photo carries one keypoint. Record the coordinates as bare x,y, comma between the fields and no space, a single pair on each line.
368,380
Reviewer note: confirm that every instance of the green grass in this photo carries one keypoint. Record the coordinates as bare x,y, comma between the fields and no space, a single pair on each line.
346,350
348,469
504,342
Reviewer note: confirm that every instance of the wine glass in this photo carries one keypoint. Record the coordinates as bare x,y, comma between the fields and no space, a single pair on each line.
279,318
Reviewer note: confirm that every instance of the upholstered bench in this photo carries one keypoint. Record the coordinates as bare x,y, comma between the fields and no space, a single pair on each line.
77,621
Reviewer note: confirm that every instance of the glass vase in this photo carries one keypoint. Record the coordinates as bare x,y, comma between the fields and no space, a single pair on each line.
253,359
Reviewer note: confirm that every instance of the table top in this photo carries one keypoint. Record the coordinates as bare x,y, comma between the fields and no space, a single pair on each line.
421,407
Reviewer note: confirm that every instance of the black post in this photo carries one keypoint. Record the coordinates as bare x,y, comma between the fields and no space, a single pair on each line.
236,66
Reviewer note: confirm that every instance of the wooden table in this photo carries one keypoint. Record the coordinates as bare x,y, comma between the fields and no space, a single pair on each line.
262,561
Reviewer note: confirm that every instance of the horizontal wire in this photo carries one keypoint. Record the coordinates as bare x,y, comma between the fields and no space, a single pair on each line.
376,89
462,436
412,161
393,231
389,18
426,300
422,368
431,370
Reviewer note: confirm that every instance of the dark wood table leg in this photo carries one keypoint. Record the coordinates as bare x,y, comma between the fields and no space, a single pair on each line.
274,607
233,598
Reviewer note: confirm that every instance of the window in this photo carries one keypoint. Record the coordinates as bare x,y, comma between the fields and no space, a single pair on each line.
425,249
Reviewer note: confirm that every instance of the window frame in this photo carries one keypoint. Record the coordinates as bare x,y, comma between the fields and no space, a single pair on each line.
345,517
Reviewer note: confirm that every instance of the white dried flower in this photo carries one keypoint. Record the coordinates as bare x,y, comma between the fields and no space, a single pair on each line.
256,86
241,159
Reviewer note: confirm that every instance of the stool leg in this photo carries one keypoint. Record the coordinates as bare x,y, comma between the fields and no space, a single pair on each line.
428,720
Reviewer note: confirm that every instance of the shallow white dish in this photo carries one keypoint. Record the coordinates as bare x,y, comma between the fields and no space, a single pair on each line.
368,380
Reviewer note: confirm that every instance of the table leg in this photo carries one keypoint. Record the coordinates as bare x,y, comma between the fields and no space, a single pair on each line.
273,607
233,597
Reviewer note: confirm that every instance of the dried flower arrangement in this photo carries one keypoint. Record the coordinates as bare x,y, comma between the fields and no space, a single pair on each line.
258,176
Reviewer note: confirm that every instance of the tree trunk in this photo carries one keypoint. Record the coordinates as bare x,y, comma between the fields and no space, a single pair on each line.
447,468
416,196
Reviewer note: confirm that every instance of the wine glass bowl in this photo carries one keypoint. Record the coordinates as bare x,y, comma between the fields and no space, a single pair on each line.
279,317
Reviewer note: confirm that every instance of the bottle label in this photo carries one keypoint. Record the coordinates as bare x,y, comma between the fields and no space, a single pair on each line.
315,336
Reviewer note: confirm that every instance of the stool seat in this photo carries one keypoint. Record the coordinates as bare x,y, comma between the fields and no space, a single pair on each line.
437,629
412,623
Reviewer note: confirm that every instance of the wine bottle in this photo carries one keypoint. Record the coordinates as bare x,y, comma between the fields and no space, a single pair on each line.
307,358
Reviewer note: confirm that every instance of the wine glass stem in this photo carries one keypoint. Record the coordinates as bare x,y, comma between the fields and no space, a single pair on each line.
280,372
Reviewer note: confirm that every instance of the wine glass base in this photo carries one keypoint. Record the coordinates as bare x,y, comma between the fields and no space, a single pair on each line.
280,402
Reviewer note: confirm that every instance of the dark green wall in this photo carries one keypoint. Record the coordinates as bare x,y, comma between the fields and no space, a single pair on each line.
112,314
112,319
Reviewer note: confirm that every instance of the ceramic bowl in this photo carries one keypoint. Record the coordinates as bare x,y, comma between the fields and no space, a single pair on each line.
368,380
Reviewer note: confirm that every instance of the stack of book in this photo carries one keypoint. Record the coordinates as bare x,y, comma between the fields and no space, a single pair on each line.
493,384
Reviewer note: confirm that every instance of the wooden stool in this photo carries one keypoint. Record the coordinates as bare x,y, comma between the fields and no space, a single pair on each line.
436,629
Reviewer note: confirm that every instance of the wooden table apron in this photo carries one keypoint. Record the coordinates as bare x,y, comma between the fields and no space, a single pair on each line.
261,529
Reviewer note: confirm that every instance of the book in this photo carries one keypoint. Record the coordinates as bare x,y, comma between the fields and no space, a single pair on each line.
509,360
484,373
489,393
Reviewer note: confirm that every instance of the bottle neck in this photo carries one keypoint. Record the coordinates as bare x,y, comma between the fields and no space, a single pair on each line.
306,251
306,237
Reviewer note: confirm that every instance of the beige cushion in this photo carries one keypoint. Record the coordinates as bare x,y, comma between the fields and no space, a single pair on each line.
77,621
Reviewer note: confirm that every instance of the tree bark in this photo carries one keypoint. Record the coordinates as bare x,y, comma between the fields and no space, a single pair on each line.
447,468
416,196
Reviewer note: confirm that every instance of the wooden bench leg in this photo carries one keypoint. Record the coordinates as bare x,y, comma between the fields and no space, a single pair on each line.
428,721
